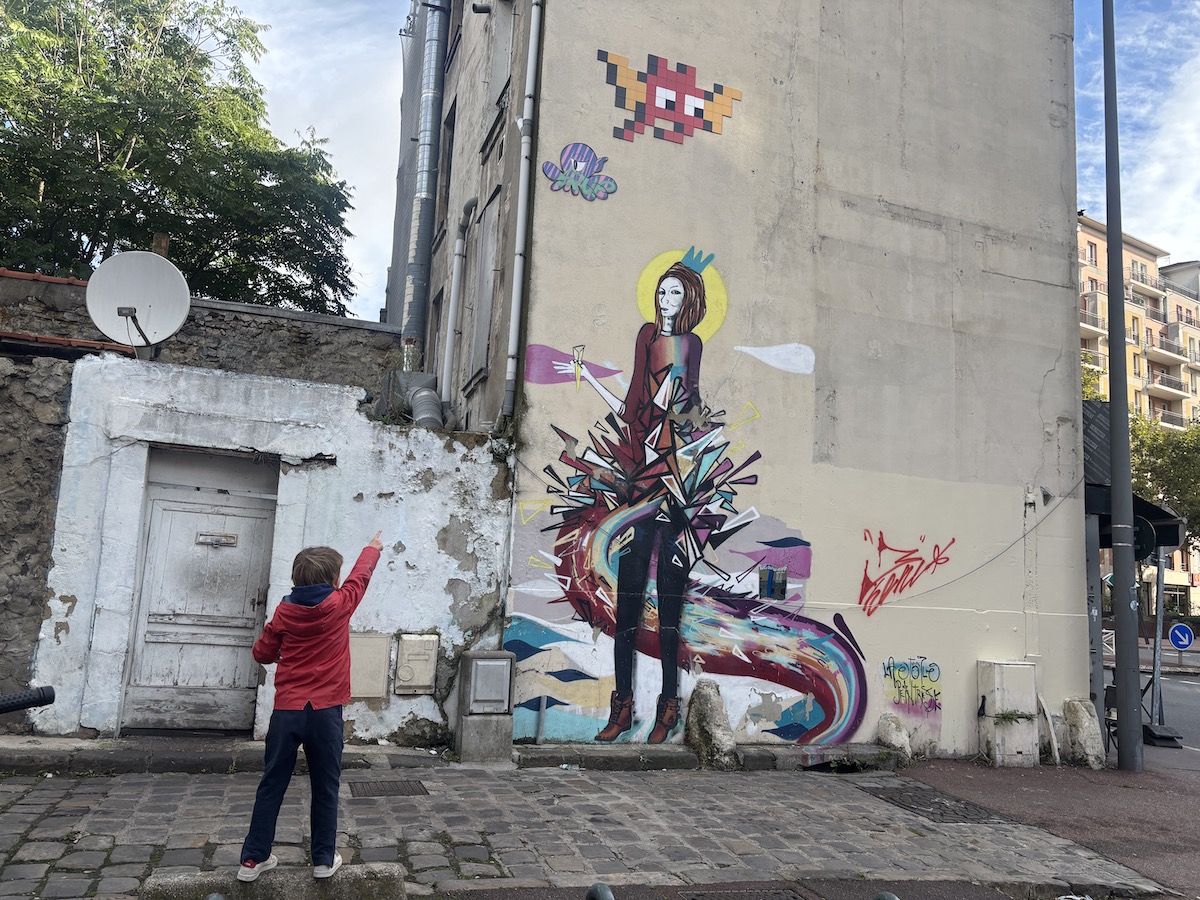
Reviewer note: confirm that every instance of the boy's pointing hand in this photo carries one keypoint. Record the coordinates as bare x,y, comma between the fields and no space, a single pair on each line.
376,542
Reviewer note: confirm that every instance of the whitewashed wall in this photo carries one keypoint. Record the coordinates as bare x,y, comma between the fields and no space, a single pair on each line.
441,502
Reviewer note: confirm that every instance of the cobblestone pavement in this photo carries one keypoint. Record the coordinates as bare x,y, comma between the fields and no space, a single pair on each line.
76,836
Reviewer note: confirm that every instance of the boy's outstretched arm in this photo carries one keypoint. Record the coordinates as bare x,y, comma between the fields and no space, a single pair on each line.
356,582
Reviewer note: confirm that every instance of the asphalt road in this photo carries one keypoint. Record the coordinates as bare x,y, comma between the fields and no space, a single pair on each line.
1142,820
1181,708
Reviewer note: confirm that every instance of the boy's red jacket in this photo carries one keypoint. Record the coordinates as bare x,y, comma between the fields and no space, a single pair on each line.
309,636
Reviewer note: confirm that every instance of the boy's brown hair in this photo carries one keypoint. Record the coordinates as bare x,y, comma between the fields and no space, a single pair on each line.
316,565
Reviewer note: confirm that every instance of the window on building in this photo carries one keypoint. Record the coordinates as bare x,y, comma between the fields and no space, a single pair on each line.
1137,364
1137,401
502,22
454,32
485,287
444,166
1175,600
1093,285
1091,253
1135,330
437,330
1137,269
1185,564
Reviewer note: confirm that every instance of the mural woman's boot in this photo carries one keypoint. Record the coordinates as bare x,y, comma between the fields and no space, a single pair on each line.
620,718
668,718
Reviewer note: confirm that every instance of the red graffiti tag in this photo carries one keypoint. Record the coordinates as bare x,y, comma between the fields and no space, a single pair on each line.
897,570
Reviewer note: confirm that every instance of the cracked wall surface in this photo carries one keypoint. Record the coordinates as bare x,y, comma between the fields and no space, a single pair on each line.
438,571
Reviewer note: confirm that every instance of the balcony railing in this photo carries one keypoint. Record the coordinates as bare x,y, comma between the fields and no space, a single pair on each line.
1158,315
1170,418
1094,359
1146,278
1163,344
1093,320
1187,317
1085,258
1167,381
1179,289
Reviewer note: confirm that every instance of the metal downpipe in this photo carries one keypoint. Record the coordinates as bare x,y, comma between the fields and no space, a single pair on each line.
522,236
460,256
429,133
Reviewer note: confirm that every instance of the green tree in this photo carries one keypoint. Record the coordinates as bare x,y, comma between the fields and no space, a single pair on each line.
1165,465
122,118
1090,375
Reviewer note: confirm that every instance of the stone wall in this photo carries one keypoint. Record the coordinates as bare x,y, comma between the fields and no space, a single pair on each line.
34,392
32,420
236,337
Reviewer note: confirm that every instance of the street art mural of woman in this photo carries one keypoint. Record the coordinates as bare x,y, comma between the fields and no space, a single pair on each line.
648,534
661,413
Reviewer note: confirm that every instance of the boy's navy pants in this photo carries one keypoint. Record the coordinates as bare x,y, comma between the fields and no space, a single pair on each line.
319,731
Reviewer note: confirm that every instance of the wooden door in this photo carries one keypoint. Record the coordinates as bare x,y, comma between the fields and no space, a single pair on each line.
201,605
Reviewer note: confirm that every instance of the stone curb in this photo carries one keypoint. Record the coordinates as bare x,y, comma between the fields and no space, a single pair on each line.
369,881
25,756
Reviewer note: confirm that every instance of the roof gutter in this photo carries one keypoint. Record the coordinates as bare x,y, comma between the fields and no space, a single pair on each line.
525,123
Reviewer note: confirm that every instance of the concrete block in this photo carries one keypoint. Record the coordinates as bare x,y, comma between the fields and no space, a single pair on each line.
484,738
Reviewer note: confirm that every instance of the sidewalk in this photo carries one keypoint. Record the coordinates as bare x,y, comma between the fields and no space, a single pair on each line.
413,825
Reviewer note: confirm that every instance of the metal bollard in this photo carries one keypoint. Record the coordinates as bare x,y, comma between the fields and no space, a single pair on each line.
599,891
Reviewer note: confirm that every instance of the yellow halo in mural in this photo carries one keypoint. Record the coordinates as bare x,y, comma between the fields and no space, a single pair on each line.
715,299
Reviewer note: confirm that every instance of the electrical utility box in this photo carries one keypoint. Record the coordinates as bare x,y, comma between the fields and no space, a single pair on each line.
485,706
1008,712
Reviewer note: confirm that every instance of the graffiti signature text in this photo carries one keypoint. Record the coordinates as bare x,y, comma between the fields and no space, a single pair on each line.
896,570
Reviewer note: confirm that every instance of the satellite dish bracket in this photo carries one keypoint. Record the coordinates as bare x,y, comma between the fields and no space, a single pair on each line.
130,313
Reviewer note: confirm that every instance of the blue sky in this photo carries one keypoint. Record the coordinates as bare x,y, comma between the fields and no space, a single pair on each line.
1158,112
337,68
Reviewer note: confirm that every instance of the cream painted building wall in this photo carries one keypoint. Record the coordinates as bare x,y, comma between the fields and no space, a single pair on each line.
888,377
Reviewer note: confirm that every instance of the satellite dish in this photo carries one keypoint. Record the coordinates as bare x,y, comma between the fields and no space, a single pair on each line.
138,298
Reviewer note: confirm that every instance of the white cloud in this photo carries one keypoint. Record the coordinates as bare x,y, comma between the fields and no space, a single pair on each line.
337,68
1158,84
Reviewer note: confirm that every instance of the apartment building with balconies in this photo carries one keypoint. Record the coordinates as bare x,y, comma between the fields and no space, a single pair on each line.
1162,358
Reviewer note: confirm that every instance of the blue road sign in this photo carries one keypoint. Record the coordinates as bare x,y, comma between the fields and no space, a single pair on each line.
1181,636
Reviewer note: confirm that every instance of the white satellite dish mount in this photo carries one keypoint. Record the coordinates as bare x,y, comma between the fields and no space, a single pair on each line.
139,299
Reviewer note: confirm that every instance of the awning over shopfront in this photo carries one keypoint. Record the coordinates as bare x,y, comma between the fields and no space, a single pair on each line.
1170,529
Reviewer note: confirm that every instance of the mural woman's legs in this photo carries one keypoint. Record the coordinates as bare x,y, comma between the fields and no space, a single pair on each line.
633,570
671,575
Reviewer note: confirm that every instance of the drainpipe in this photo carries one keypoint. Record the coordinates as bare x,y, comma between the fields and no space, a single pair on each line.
460,255
429,133
525,123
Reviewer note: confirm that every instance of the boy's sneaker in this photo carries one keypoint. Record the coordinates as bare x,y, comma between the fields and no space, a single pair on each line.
327,871
250,869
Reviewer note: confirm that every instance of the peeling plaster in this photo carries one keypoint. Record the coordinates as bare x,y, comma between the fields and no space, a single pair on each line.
120,407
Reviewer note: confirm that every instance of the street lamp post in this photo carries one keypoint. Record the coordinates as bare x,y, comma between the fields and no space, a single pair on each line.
1127,672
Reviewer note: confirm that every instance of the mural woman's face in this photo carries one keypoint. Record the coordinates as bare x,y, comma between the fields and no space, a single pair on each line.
670,297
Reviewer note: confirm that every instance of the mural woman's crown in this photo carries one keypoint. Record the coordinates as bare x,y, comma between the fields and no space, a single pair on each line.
696,260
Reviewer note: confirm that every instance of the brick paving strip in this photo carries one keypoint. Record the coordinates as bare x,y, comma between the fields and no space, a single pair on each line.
77,836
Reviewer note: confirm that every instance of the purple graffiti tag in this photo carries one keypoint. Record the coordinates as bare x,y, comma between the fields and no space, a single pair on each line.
580,173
